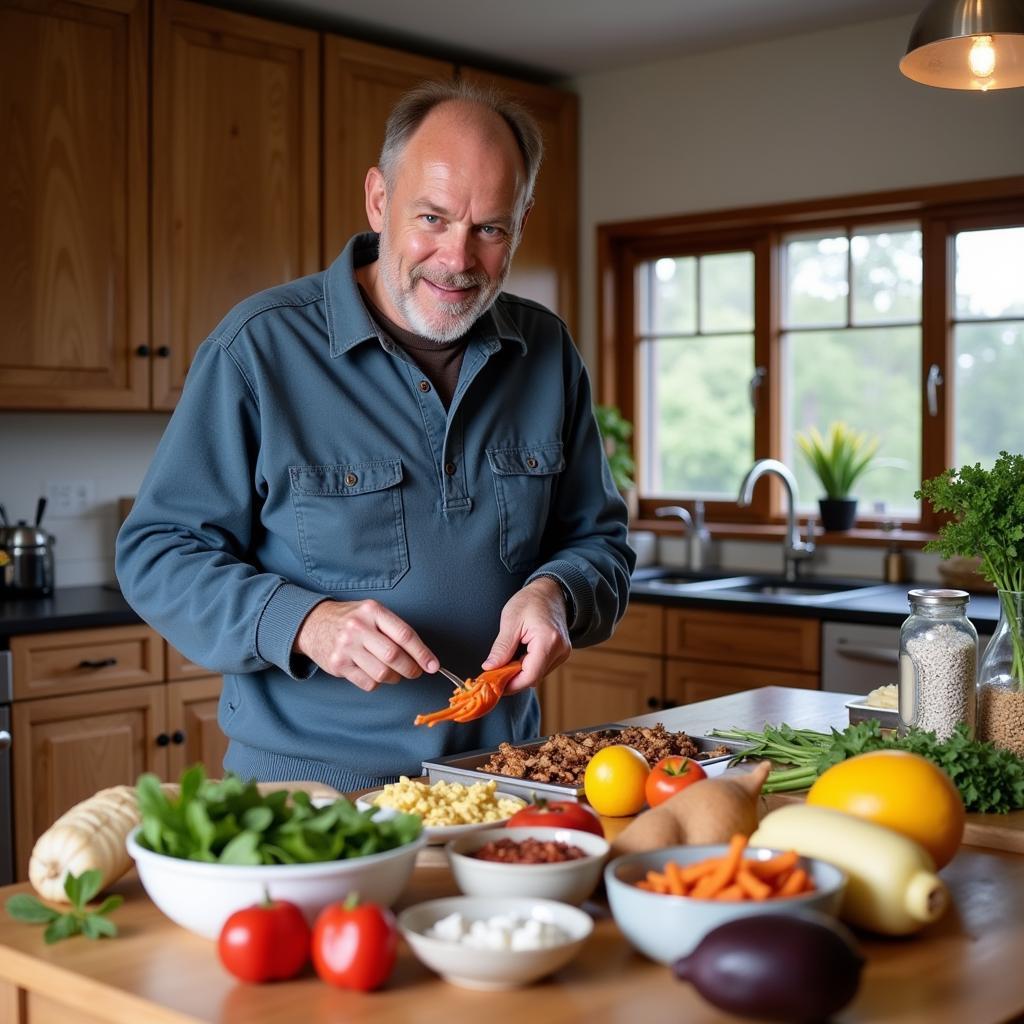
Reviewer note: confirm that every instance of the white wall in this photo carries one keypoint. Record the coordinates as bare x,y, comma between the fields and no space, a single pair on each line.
109,451
823,114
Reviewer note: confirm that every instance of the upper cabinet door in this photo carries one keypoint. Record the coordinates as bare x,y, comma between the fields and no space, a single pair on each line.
544,267
235,171
74,302
361,84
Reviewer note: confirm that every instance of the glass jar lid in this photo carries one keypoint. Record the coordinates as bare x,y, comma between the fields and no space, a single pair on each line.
939,598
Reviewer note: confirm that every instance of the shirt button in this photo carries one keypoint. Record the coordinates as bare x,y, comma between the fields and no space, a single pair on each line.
531,463
424,386
351,479
449,468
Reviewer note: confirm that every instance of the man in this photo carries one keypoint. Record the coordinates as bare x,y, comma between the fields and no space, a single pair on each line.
385,468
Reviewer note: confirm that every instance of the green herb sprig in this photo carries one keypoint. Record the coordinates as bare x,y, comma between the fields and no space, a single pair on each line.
988,506
990,779
93,924
229,821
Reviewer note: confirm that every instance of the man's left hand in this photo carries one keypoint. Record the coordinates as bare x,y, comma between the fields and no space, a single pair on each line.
534,617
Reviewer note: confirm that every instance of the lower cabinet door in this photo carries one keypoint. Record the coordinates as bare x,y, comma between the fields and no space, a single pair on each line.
687,682
598,686
194,733
67,748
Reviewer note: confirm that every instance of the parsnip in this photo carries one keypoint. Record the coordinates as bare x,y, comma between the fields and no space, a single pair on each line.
892,888
91,835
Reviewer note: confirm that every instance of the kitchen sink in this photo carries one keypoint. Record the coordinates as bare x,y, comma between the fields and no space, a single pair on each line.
768,588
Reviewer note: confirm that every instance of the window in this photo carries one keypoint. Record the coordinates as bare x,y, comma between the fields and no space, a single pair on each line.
696,354
899,314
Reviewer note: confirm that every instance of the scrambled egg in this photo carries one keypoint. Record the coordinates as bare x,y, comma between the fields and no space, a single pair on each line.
884,697
448,803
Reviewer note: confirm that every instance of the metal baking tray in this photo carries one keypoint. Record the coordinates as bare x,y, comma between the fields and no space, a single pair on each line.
465,768
888,718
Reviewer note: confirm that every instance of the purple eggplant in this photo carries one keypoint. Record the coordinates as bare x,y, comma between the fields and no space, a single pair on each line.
776,967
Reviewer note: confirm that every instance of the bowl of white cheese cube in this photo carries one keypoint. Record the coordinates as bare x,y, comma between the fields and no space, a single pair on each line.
491,942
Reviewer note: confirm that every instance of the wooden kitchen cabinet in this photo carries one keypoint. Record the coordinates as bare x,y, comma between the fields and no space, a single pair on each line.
362,82
236,132
67,748
544,267
74,229
94,708
621,678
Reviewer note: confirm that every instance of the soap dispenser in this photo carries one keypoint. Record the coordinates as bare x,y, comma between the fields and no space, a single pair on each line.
699,540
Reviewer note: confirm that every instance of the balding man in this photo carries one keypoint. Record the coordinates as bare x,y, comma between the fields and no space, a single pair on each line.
385,468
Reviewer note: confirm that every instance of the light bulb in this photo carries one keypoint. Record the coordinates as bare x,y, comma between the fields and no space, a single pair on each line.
982,57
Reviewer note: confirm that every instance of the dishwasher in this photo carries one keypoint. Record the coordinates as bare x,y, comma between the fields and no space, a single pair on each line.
856,658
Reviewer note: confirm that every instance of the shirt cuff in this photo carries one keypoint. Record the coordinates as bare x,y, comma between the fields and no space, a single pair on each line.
278,626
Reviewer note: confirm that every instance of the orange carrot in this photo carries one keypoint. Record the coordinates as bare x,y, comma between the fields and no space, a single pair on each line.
795,884
675,883
751,886
780,864
725,871
731,894
477,697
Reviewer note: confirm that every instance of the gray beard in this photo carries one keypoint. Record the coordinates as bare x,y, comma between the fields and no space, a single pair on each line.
458,317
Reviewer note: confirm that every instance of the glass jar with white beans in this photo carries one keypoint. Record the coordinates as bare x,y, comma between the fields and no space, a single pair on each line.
938,663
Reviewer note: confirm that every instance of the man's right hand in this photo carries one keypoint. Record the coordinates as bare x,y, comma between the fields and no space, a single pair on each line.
363,642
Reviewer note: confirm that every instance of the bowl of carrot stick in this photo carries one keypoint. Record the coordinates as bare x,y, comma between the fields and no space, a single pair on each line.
665,901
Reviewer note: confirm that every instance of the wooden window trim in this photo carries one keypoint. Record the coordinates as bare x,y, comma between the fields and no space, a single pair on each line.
940,210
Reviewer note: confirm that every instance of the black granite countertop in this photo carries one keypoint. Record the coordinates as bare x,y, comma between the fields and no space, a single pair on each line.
883,604
67,608
880,604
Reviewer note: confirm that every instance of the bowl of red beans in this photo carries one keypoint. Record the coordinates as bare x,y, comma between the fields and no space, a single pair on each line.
546,863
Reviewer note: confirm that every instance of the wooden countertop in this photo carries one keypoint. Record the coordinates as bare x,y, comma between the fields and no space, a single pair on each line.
964,968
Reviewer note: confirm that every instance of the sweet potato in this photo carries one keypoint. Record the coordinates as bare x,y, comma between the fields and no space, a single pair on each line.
710,811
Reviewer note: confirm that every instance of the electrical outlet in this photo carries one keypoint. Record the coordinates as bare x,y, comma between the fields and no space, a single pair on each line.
69,497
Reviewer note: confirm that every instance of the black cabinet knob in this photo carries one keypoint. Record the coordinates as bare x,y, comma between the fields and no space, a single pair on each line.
163,351
653,703
177,737
142,351
163,739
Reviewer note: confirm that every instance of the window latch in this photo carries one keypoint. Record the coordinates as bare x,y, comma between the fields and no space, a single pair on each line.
755,384
935,381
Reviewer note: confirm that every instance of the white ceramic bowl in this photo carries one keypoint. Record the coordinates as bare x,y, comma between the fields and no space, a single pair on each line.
201,896
492,969
438,834
570,881
668,927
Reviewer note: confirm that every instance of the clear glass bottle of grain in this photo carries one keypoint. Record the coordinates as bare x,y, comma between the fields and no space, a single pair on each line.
938,663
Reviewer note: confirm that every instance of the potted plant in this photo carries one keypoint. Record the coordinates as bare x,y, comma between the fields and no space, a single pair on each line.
988,510
616,432
838,460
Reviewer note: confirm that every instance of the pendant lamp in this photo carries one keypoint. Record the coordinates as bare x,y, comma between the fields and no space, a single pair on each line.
967,44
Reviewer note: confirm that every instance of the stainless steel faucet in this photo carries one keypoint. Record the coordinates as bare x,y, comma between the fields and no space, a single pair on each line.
794,550
695,532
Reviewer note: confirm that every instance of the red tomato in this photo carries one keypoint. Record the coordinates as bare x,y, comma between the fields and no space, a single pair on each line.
669,776
556,814
265,942
355,944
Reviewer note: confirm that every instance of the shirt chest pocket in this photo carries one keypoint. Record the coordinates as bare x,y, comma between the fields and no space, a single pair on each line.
351,524
524,483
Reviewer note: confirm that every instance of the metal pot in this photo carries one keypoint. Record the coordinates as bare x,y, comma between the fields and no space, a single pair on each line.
26,557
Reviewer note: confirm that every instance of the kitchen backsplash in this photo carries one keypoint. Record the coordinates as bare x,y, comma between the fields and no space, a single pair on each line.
86,461
89,460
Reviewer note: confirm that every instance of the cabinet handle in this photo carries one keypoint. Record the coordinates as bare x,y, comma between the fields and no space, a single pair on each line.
653,703
5,739
163,739
163,352
177,737
97,663
142,351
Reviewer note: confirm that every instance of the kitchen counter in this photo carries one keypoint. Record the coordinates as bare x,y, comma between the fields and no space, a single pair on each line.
886,604
67,608
963,968
883,604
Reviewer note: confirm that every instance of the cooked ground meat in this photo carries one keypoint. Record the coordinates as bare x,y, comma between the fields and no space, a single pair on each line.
562,758
528,851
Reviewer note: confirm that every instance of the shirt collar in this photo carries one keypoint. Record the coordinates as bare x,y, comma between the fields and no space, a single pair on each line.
349,324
